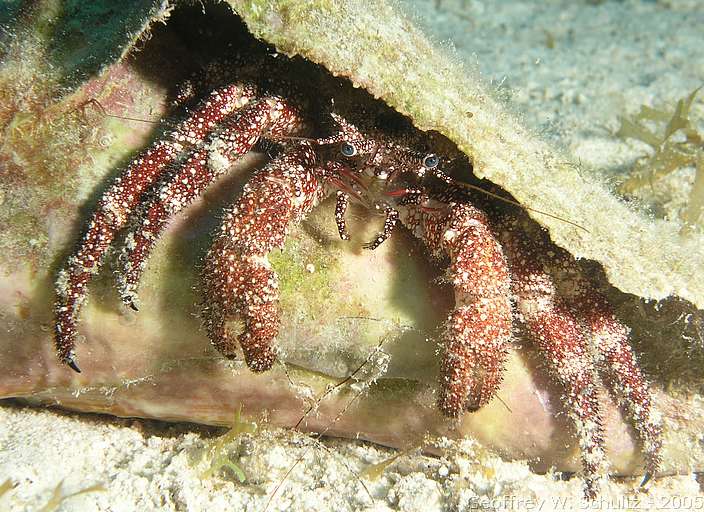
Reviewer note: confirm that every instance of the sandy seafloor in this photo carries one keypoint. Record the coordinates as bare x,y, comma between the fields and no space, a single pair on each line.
570,68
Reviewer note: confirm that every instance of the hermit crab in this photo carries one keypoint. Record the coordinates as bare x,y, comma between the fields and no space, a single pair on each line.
502,269
506,275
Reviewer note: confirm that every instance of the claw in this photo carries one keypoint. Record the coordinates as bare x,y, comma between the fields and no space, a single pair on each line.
71,362
646,479
130,299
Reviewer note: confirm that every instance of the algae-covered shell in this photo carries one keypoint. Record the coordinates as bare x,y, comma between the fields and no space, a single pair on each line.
395,62
59,148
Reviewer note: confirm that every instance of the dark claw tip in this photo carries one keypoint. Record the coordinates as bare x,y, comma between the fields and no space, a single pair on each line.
128,300
646,479
72,364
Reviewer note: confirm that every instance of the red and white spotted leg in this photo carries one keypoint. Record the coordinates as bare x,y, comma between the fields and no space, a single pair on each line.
239,283
559,337
120,200
341,205
272,117
618,363
478,331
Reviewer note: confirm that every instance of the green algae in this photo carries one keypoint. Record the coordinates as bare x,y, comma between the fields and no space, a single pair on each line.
58,496
54,149
375,471
306,277
675,143
79,39
6,487
218,451
89,35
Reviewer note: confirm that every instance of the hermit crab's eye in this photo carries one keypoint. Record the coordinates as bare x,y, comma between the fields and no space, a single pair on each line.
348,149
431,161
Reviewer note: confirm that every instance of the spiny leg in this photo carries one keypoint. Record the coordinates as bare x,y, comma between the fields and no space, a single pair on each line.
239,283
119,201
619,365
272,117
559,336
405,197
478,331
341,204
347,184
389,225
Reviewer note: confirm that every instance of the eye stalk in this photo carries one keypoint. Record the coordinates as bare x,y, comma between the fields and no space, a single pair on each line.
431,161
348,149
